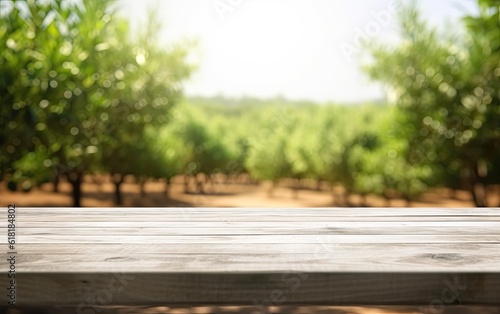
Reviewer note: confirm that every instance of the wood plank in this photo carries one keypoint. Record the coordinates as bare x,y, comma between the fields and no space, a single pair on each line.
376,211
316,258
263,218
411,223
159,220
225,212
27,215
330,230
237,256
437,251
250,239
253,309
83,289
220,217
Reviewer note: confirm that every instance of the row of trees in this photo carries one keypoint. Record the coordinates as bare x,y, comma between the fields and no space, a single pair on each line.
447,87
80,95
362,148
444,131
358,148
78,90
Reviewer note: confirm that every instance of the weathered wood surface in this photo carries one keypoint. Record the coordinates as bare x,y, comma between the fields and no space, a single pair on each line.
290,309
145,256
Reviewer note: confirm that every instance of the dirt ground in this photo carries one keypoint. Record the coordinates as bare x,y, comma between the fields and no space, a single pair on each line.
218,195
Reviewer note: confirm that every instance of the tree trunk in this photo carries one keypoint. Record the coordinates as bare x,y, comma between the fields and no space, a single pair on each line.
210,183
387,201
453,193
478,193
98,179
476,186
334,197
363,200
56,184
118,193
142,184
346,201
296,189
199,185
337,197
186,184
407,201
167,186
118,180
271,189
318,185
498,196
216,185
75,179
479,187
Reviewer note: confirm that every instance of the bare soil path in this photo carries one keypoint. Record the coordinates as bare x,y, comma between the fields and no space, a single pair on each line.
219,195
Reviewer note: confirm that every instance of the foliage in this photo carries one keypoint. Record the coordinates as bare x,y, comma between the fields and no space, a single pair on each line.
79,94
449,99
75,87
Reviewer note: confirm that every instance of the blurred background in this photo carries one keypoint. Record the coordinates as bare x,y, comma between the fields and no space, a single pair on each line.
250,103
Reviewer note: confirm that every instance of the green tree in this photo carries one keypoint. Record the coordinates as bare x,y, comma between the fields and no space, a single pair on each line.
207,154
269,153
44,87
448,98
76,87
144,85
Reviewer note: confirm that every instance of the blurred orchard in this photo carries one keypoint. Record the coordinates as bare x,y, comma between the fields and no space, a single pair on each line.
81,96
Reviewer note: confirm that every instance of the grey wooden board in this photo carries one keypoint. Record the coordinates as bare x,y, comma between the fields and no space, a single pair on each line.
245,212
354,224
251,239
316,259
252,309
250,211
234,255
87,289
265,248
145,221
379,229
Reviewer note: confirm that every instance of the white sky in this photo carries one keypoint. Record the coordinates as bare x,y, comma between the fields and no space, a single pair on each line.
265,48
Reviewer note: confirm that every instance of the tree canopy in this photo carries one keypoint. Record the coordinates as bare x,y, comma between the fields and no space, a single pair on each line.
76,87
447,89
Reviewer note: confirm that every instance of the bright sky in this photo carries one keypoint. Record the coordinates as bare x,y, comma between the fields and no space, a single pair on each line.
295,48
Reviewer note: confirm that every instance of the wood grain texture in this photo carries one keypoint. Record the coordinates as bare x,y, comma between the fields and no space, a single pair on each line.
255,288
285,309
331,256
361,226
251,239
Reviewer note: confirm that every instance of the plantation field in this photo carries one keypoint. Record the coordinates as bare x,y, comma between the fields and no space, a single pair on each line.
222,195
80,100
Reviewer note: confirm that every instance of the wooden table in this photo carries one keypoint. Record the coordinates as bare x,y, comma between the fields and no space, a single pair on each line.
259,257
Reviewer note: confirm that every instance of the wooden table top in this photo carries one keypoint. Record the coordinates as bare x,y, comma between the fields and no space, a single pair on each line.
249,256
